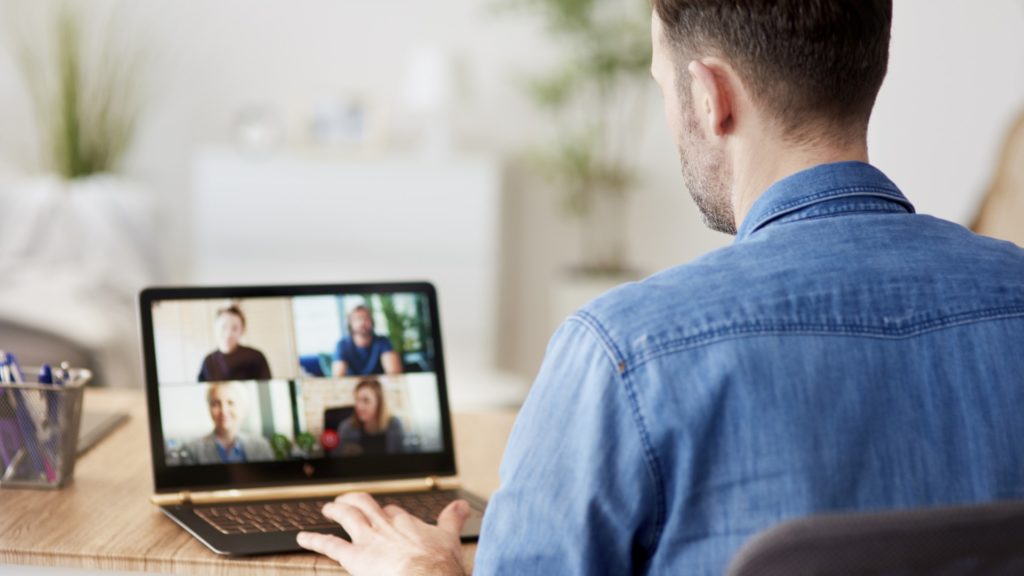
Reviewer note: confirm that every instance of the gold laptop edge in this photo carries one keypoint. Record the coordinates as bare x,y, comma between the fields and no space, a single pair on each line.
312,491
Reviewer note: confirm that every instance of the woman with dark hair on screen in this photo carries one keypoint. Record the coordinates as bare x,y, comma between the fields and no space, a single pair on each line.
231,360
371,429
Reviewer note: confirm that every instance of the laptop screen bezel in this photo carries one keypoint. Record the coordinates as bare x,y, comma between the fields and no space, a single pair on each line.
326,470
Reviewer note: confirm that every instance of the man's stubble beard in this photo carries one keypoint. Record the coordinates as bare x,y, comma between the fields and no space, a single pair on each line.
707,177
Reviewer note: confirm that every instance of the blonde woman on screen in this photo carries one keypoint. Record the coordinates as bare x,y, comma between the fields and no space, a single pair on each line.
227,443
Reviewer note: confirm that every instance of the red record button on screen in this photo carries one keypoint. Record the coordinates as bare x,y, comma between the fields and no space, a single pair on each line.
329,440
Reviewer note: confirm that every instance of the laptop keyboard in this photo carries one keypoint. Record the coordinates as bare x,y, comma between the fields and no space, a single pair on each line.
293,515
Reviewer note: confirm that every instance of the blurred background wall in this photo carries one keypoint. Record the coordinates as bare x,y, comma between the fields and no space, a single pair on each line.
955,85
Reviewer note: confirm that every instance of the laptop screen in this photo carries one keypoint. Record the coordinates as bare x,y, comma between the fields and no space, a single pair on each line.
264,385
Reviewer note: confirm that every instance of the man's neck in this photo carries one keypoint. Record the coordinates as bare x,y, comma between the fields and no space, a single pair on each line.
776,162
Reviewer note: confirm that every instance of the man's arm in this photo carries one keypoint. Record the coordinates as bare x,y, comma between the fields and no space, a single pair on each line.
578,495
202,370
392,364
264,367
339,367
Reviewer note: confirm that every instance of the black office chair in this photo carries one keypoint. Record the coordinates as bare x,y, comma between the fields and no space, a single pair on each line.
980,540
336,415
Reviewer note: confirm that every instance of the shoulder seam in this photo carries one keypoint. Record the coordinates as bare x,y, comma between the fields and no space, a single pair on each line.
753,329
593,325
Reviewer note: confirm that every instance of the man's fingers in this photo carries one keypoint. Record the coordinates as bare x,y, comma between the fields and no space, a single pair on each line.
331,546
351,518
393,511
366,504
453,517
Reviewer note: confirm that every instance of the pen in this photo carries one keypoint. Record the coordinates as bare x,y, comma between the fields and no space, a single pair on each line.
29,434
5,370
10,437
53,402
45,374
15,369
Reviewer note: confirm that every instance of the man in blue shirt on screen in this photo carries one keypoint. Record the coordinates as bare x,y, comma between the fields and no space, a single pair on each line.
362,352
843,353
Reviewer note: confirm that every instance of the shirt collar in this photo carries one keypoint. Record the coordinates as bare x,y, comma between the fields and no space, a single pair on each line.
237,453
816,185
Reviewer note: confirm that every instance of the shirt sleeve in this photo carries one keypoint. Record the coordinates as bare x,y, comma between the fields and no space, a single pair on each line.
395,436
263,368
347,435
577,494
202,370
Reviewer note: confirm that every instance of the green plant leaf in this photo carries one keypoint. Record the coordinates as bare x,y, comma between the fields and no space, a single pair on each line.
608,51
555,90
86,107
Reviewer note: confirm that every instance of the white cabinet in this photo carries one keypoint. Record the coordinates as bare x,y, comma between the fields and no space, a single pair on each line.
290,218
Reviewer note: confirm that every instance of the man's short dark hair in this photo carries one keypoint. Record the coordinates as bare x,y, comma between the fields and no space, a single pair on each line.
805,61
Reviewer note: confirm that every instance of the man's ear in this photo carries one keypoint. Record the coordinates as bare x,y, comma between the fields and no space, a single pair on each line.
712,97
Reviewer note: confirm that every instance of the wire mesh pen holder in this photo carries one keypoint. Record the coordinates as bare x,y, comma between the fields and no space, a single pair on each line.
39,431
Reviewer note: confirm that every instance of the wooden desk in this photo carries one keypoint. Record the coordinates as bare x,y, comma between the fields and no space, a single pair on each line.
104,519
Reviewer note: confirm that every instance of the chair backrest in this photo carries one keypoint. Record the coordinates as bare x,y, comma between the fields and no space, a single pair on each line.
314,365
953,541
336,415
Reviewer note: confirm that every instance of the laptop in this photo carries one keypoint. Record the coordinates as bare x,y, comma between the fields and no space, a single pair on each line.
266,402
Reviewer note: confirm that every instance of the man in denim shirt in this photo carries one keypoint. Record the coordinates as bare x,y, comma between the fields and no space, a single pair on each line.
844,353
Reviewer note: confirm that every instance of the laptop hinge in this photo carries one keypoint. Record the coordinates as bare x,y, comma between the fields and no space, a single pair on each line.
175,499
307,491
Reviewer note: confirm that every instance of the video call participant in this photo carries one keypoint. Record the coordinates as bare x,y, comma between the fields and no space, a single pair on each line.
362,352
228,408
231,360
371,429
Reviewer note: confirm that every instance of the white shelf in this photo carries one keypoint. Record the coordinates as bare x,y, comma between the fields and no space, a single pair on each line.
299,218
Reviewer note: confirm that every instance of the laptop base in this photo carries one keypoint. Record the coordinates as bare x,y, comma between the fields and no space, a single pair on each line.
191,518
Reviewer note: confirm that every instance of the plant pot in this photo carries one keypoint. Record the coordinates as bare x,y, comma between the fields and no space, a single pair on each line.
74,255
571,291
602,235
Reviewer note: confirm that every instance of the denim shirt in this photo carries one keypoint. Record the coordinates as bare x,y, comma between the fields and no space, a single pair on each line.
844,353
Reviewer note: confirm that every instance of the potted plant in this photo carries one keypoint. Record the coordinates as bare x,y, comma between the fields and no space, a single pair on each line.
594,98
80,209
80,235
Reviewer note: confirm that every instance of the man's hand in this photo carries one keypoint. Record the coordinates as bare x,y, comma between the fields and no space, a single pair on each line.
390,540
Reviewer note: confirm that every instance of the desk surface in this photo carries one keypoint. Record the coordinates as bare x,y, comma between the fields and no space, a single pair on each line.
104,519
